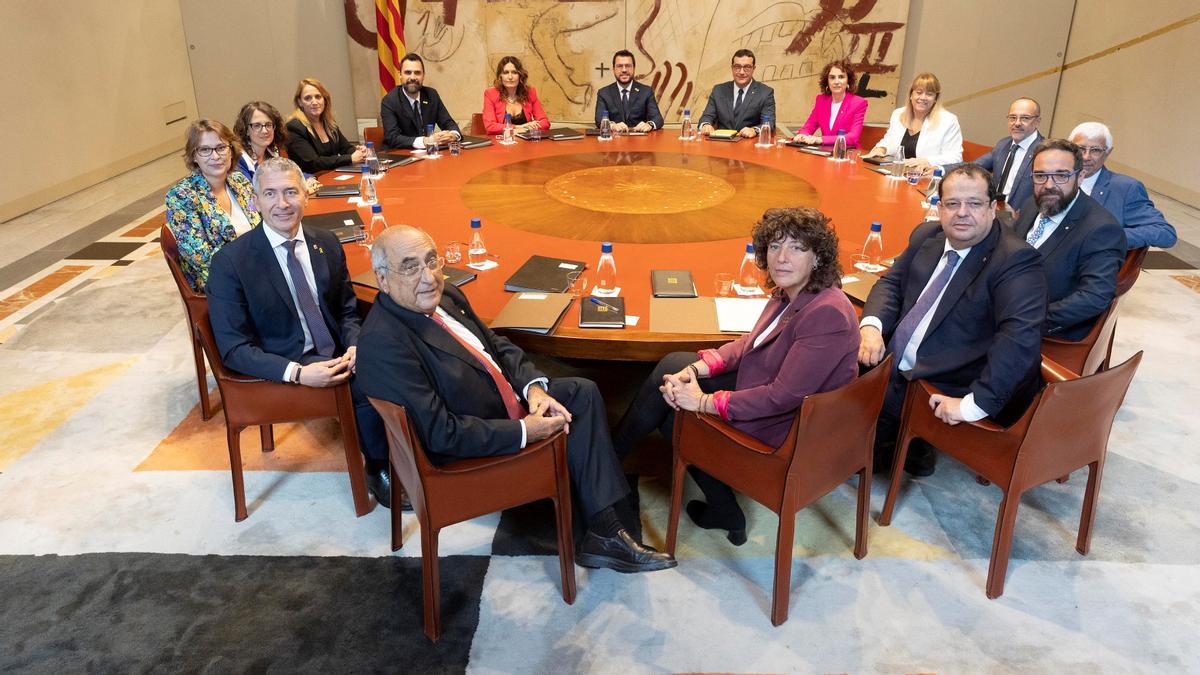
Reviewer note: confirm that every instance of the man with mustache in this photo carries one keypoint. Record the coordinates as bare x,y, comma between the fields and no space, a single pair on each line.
1009,160
407,109
1081,243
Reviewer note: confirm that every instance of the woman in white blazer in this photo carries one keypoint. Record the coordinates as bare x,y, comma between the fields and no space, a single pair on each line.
929,133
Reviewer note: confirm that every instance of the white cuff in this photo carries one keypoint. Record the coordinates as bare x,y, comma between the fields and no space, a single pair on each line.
872,321
419,143
545,382
523,437
290,372
971,412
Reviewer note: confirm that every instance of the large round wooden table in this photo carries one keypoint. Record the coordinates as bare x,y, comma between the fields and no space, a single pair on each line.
664,203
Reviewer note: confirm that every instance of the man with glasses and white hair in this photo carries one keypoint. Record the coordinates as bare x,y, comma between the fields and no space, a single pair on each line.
282,308
1082,244
471,393
1124,197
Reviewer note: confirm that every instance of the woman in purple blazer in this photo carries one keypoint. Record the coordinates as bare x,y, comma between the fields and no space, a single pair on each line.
835,108
805,342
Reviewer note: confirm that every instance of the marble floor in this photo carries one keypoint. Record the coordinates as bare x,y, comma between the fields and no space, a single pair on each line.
102,451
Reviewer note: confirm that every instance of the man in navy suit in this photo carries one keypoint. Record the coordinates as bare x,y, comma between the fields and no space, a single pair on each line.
1082,244
281,306
1123,196
408,108
630,105
963,308
1010,161
740,104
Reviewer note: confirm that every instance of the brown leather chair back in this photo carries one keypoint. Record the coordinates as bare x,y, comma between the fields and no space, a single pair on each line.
870,136
374,135
477,128
1130,269
973,151
408,458
1090,353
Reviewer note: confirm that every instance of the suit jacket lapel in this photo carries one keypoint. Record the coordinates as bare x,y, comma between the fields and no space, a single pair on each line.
785,315
1100,189
969,268
1064,228
270,264
438,338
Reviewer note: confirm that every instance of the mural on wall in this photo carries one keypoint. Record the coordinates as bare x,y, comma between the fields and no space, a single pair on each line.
682,47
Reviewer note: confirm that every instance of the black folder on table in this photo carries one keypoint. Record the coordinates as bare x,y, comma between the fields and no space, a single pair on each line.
345,225
877,160
557,134
337,191
596,132
809,149
387,160
601,312
471,142
540,273
454,275
672,284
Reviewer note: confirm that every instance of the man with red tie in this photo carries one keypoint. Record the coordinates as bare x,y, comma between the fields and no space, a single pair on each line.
472,393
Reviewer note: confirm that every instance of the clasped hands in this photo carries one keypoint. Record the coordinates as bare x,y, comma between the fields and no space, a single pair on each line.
622,128
870,352
681,391
331,372
546,415
440,138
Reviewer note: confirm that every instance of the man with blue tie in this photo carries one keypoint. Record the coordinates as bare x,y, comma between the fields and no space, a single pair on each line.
962,308
1010,160
282,308
1081,243
1124,197
630,105
741,104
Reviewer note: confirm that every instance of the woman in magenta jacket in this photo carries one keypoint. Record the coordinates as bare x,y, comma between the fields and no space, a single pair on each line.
510,94
835,108
805,342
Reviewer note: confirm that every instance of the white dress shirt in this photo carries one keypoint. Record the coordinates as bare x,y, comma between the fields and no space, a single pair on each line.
1055,221
1087,184
419,141
237,217
278,246
1022,149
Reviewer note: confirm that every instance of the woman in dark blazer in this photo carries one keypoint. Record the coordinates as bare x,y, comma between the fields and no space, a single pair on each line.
805,342
510,94
314,140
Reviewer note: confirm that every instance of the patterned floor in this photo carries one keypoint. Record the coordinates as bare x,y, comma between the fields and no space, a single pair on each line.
118,549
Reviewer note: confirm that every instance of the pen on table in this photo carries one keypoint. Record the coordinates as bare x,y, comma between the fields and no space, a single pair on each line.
602,303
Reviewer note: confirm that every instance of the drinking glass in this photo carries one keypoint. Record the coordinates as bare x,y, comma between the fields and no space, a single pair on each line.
723,284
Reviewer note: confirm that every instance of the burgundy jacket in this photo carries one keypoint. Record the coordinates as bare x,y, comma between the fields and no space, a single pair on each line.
813,349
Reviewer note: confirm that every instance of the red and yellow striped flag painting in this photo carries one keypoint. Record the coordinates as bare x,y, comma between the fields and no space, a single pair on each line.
389,24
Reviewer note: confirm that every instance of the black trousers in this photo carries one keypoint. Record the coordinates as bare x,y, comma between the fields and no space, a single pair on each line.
649,412
372,436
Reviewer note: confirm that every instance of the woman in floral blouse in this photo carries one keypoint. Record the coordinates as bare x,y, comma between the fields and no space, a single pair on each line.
214,204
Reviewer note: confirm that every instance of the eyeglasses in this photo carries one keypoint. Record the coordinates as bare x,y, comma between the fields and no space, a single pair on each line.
743,69
1040,177
971,204
205,151
262,126
1087,151
1023,119
414,268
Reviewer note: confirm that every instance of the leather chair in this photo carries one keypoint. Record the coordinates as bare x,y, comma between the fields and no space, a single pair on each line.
193,303
477,128
831,439
373,135
1089,354
1065,428
449,494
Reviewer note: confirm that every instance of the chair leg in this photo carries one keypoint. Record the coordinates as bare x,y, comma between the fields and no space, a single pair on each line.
267,432
781,594
354,458
889,504
432,585
233,438
1083,543
397,520
676,501
206,406
1002,543
864,512
562,521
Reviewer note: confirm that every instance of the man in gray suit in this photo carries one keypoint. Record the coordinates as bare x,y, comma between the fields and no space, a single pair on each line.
740,104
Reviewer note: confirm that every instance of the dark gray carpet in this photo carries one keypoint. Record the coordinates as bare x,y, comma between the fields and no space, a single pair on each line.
137,612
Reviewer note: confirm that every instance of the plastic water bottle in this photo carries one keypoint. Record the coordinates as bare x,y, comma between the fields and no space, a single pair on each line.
839,146
477,250
747,278
376,227
932,213
686,131
935,181
764,134
873,250
366,188
507,136
606,272
372,159
605,127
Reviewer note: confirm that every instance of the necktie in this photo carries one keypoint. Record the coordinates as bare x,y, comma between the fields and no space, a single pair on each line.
417,114
908,325
511,403
738,103
1012,153
1036,233
322,340
625,106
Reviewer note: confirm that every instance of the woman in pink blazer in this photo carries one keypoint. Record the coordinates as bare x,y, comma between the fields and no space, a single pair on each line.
805,342
509,94
835,108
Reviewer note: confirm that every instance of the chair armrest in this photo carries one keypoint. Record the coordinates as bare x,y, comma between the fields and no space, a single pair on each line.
1053,371
930,390
477,463
733,435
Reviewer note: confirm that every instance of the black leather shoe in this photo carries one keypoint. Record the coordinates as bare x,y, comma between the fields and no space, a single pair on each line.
921,460
380,484
734,521
621,553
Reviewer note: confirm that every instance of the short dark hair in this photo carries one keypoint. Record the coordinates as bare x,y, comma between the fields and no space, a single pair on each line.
413,56
971,171
811,228
743,52
842,65
1058,144
623,52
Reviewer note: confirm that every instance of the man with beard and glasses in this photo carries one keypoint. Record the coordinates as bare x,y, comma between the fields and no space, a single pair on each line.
1081,243
407,109
630,105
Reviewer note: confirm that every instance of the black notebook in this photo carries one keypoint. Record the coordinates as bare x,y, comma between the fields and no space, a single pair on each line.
469,142
345,225
602,312
557,134
672,284
549,275
878,160
387,160
337,191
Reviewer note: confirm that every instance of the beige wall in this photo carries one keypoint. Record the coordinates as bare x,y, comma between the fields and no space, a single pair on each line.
92,86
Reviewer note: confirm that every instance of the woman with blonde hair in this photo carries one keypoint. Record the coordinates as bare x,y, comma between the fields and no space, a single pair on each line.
314,140
928,132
